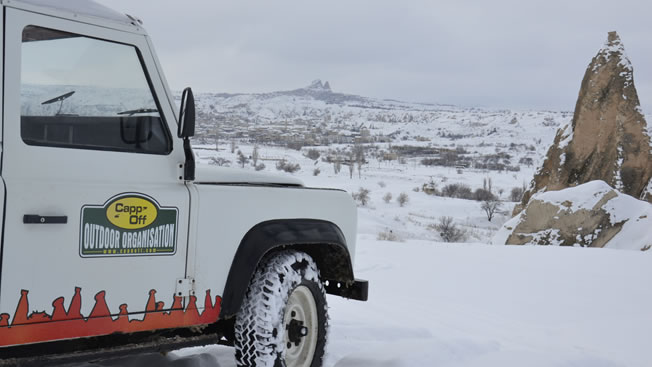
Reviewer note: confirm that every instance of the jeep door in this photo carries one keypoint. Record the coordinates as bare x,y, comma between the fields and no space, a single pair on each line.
96,214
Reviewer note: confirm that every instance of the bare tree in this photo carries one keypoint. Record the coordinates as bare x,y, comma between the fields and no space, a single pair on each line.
362,196
242,159
487,184
359,163
358,150
448,230
337,165
526,160
351,164
217,138
255,155
232,146
490,207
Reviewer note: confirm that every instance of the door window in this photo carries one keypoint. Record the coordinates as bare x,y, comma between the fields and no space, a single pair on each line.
85,93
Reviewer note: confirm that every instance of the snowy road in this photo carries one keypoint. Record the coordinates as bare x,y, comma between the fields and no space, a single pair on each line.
434,304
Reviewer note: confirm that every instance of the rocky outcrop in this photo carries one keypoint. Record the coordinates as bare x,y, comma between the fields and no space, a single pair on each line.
588,215
319,86
607,138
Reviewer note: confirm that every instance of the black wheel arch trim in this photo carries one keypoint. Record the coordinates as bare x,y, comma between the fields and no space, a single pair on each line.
322,240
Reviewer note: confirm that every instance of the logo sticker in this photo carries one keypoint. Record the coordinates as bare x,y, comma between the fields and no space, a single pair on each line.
128,225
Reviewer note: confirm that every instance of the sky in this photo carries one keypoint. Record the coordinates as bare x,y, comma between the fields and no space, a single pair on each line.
499,53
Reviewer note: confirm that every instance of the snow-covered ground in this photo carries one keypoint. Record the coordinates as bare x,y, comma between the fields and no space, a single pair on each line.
380,178
436,304
463,304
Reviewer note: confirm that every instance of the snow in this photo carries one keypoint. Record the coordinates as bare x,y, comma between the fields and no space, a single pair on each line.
566,136
617,171
436,304
468,304
584,196
648,190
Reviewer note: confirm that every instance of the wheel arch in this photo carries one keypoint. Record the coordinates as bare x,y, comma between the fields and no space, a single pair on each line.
322,240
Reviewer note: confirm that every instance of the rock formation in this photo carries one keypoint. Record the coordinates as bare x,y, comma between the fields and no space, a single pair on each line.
588,215
318,85
607,139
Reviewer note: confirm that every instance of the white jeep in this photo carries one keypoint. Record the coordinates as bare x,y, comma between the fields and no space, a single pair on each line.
113,241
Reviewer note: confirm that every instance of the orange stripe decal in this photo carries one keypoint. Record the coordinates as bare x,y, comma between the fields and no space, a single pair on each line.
61,324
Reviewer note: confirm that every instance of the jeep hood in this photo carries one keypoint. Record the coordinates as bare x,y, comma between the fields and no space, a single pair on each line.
225,175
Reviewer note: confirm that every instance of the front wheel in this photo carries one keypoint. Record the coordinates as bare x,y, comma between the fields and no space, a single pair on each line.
283,319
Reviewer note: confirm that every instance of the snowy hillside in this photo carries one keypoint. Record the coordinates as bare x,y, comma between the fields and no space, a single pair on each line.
317,116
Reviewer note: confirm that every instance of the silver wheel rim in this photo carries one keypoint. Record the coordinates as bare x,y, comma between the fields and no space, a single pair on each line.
300,314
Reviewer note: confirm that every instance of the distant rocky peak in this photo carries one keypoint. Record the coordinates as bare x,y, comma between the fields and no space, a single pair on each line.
319,86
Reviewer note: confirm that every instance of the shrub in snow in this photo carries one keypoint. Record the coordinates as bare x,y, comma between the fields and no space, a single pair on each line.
362,196
483,195
313,154
220,161
448,230
460,191
260,167
402,199
284,165
387,235
387,198
316,172
382,184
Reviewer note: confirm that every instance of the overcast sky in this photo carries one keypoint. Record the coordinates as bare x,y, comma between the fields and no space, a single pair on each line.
499,53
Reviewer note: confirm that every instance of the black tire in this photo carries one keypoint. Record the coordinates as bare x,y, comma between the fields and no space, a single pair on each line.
269,331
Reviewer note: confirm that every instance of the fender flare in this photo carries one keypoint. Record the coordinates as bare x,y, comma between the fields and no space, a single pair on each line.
322,240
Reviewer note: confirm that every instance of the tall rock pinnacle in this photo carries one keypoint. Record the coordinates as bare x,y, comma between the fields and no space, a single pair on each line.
607,139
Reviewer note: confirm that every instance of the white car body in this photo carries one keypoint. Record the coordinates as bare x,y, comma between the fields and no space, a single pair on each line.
80,278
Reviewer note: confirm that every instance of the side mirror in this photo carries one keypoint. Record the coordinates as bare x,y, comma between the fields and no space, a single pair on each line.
187,115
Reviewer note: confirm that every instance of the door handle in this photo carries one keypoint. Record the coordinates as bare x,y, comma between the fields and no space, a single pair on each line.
44,219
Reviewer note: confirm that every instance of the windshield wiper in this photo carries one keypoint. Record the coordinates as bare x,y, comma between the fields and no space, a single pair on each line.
140,110
60,98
